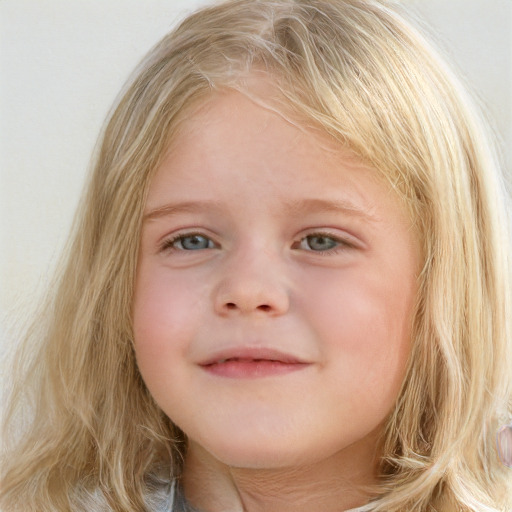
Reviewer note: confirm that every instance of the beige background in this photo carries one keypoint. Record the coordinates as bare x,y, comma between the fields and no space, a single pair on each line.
61,65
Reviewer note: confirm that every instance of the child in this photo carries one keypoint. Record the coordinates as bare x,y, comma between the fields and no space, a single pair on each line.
288,287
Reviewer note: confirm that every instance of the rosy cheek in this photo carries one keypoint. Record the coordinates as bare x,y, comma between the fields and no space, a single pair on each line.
349,314
150,315
162,315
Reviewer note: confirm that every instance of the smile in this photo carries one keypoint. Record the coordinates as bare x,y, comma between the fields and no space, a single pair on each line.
252,363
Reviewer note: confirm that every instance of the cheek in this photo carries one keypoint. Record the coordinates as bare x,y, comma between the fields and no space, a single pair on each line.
162,323
360,310
365,324
164,302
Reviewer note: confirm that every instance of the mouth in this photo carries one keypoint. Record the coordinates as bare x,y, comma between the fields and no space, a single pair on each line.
252,363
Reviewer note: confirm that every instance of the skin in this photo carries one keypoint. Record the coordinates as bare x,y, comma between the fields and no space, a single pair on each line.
289,243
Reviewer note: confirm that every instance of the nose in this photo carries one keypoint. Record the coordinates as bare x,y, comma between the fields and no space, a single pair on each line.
252,285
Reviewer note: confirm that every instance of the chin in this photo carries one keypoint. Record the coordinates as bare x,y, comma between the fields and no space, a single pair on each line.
257,458
265,452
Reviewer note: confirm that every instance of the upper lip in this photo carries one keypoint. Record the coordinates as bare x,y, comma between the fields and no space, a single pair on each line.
252,353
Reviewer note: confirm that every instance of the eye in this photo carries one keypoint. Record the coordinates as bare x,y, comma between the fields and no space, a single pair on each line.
192,242
321,242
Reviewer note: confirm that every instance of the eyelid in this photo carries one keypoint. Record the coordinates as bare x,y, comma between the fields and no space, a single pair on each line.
166,244
346,240
307,243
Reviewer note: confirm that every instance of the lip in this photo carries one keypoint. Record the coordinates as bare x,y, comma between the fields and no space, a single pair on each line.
252,362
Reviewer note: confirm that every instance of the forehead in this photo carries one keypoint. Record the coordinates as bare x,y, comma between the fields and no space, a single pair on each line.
239,101
232,117
252,113
233,131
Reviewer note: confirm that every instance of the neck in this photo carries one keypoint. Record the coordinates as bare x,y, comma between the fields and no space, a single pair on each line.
335,484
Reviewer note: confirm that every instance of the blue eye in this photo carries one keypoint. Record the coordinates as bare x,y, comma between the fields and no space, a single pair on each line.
320,243
190,243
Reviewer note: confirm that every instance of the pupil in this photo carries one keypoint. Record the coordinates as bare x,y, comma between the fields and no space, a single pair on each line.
321,243
195,242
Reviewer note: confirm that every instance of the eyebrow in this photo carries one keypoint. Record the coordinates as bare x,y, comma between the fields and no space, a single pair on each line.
295,208
182,207
343,206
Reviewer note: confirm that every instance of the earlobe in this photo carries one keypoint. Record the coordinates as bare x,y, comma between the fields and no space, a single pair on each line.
504,444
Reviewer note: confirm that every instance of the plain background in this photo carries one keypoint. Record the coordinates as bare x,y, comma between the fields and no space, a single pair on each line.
62,64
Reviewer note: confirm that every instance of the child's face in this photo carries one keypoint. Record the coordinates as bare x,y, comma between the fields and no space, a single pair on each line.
275,290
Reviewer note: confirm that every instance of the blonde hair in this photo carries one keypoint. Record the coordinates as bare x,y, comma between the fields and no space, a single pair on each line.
96,440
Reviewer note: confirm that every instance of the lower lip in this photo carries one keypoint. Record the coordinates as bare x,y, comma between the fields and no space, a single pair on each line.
252,369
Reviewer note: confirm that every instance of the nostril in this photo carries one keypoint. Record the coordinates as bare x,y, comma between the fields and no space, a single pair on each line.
262,307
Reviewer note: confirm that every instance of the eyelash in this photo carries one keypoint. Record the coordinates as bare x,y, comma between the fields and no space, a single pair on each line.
341,244
168,244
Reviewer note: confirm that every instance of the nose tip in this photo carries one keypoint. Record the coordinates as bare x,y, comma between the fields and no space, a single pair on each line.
235,296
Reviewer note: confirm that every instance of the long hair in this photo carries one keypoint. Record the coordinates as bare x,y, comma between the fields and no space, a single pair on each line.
94,439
